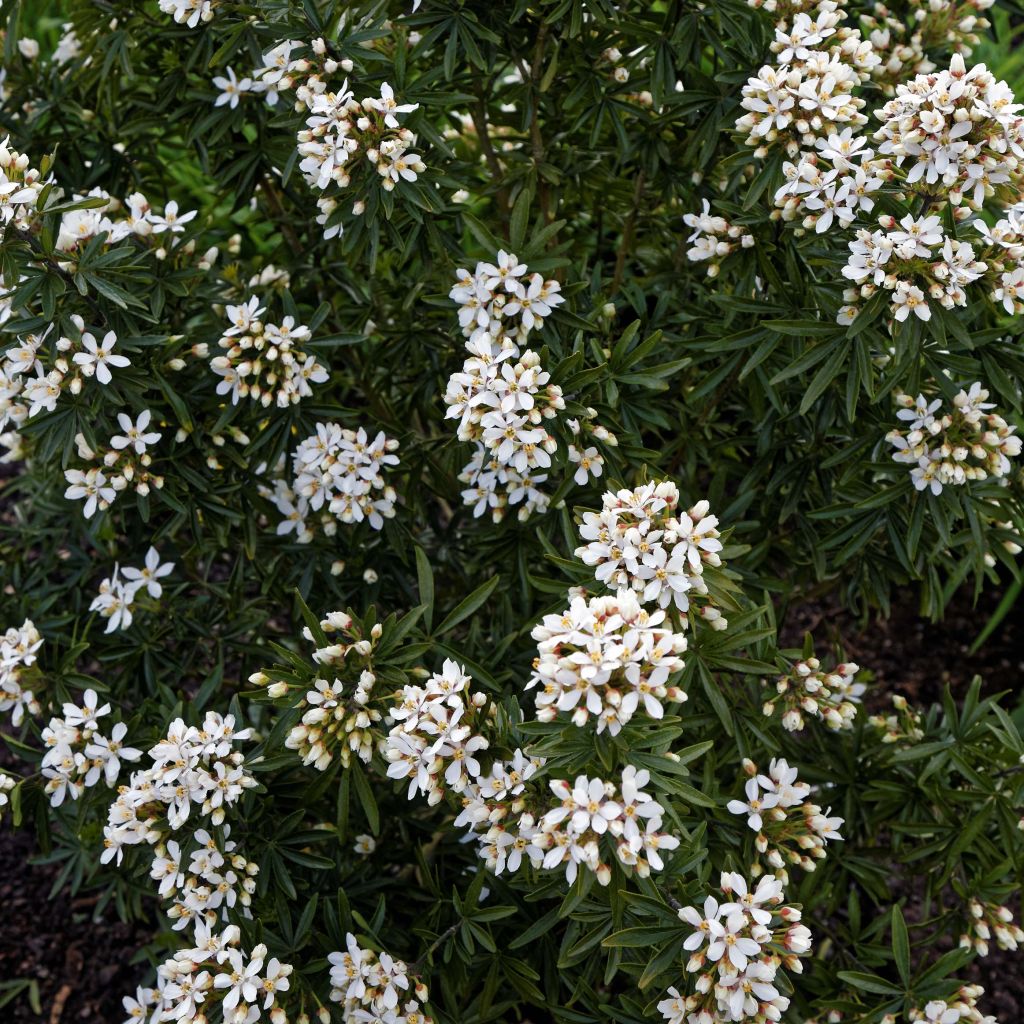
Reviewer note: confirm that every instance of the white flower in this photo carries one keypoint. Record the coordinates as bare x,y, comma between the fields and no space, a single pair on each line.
90,485
147,577
756,802
109,752
135,435
231,89
171,220
909,299
98,357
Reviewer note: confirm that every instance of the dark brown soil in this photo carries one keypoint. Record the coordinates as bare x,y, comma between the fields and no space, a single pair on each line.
81,966
917,658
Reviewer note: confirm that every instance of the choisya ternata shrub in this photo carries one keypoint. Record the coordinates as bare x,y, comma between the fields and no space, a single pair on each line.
416,419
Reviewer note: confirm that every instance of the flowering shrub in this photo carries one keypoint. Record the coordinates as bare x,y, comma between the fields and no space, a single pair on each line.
300,301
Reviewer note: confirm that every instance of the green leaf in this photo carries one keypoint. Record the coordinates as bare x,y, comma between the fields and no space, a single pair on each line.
466,607
901,945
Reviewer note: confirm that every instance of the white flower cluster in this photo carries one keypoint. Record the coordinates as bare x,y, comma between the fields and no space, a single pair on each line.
902,726
916,261
193,769
189,12
713,239
515,826
986,920
339,131
737,948
955,132
78,755
214,972
14,446
342,718
904,43
263,361
20,186
790,829
22,397
341,472
435,743
962,1007
18,650
951,449
809,93
639,541
605,657
807,689
833,184
134,218
435,736
281,72
127,460
591,809
204,876
215,879
503,395
7,784
115,601
374,987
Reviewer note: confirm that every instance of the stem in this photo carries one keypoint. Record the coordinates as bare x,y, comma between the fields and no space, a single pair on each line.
532,76
628,232
277,210
483,133
440,940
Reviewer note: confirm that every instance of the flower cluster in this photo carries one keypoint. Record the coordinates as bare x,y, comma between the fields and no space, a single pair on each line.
503,395
809,93
806,689
18,671
20,186
436,734
7,784
215,972
952,448
116,599
22,396
341,717
790,829
904,43
375,987
339,471
605,657
344,136
915,260
189,12
78,755
590,810
640,541
592,820
713,239
737,948
955,132
986,920
902,726
962,1007
264,361
193,769
133,218
214,880
834,183
126,461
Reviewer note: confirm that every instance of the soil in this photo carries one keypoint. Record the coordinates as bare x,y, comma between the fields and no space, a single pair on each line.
83,967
